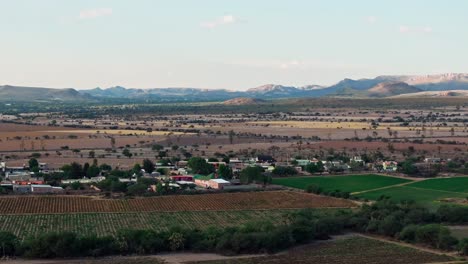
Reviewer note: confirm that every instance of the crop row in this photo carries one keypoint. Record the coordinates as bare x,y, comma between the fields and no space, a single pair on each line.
103,224
207,202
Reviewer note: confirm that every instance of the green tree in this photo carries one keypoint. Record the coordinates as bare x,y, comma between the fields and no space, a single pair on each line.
8,243
33,164
126,152
225,172
199,165
148,166
252,174
315,167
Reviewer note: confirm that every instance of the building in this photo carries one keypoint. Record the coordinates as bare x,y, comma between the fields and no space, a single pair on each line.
218,184
188,178
390,166
45,188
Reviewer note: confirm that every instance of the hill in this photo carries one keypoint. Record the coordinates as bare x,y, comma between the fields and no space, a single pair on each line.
29,94
442,94
391,88
243,101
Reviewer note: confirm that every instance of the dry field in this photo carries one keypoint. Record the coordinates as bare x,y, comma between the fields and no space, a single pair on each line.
206,202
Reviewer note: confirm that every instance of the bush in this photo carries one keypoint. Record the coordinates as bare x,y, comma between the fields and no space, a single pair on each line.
313,188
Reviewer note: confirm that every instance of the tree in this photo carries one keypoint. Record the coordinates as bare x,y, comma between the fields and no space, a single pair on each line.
33,163
127,153
93,171
284,171
91,154
199,165
157,147
8,243
315,167
148,165
409,168
137,189
73,171
225,172
252,174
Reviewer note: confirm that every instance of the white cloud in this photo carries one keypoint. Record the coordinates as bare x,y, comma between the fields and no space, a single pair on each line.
407,29
94,13
295,64
227,19
371,19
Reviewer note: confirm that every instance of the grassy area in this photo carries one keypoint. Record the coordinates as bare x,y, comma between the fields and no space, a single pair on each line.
459,232
351,183
355,250
423,196
455,184
108,223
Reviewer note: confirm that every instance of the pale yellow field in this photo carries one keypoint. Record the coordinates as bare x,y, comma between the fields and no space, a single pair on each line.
119,132
342,125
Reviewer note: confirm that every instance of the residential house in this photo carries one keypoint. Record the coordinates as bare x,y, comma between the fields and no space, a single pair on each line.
390,166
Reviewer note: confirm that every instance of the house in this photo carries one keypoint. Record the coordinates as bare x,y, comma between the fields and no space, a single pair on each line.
357,159
45,188
21,188
302,162
432,160
218,184
18,176
390,166
85,180
43,166
264,159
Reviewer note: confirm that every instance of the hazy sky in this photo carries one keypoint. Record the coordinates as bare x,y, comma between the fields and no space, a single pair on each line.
233,44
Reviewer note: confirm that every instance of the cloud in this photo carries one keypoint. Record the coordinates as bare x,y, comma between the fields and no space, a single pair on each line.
294,64
371,19
406,30
94,13
227,19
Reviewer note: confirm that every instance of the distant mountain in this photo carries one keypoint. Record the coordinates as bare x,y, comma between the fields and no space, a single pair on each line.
29,94
381,86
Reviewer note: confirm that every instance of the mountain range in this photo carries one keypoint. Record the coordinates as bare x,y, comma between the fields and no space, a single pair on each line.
381,86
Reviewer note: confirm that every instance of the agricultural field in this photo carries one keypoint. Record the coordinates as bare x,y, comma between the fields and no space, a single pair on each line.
353,250
423,196
429,191
206,202
351,183
455,184
103,224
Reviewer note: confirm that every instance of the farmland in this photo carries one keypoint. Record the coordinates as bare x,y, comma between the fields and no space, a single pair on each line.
456,184
103,224
423,196
206,202
352,183
354,250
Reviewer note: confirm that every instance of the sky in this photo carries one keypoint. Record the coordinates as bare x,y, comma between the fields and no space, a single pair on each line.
230,44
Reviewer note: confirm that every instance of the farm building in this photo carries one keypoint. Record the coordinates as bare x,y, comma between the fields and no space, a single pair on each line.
209,183
44,188
182,178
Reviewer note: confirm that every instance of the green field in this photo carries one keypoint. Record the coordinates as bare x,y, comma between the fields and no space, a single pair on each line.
354,250
455,184
108,223
352,183
423,196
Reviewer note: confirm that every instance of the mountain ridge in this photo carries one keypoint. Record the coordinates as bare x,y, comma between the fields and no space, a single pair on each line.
390,85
